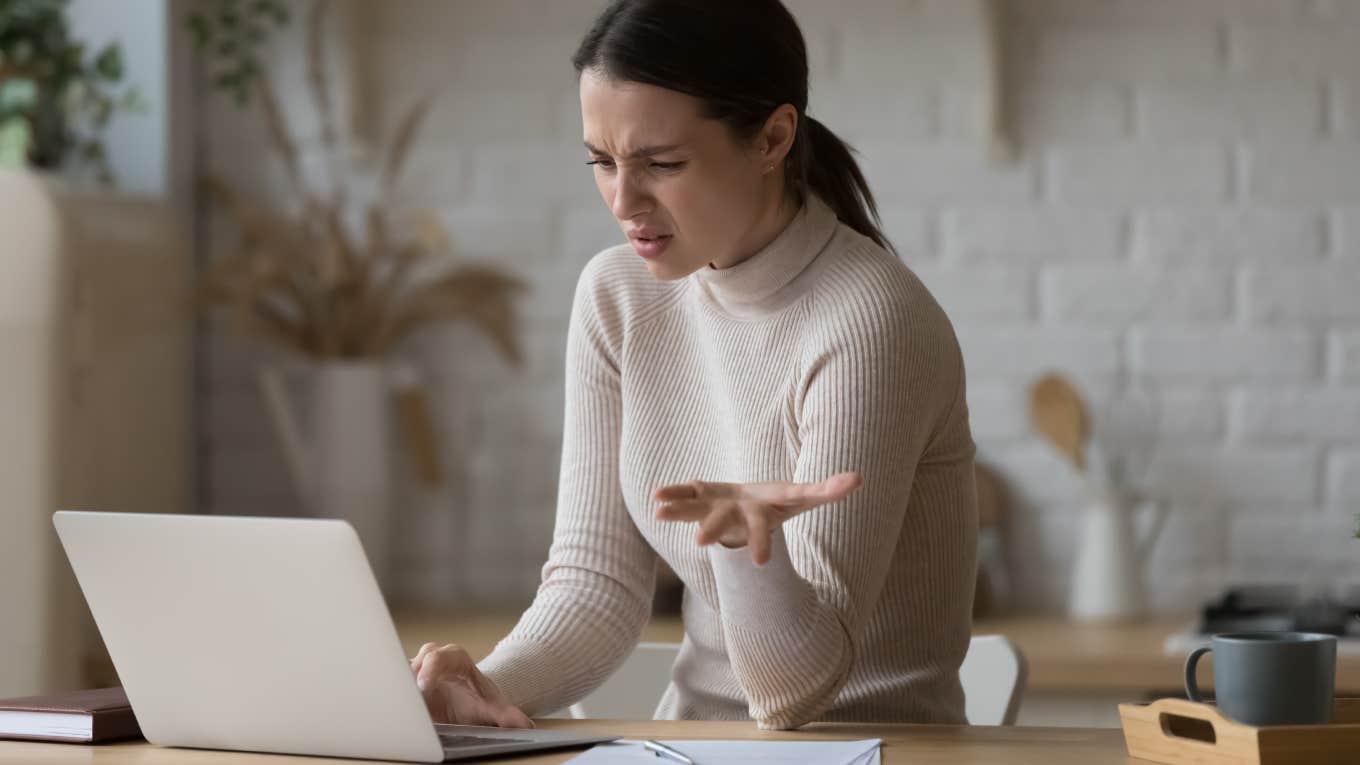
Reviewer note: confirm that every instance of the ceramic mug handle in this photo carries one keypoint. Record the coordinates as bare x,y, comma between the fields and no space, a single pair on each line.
1191,662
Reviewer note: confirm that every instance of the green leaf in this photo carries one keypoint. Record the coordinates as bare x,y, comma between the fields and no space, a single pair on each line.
18,94
199,27
15,136
109,63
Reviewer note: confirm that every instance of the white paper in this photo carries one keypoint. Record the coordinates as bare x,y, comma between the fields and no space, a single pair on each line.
863,752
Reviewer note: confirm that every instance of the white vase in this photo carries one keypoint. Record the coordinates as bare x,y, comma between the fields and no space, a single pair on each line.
1107,578
342,469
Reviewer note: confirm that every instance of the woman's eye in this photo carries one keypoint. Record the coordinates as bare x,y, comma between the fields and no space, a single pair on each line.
668,165
607,164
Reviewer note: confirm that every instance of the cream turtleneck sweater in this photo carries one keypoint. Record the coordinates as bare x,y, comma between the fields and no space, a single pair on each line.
821,353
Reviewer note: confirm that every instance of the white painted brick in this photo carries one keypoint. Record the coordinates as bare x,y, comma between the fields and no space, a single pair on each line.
1275,50
520,174
1135,174
942,173
435,175
1019,234
586,230
1192,538
428,523
1345,104
996,293
438,20
1036,476
874,112
1296,415
1320,173
1343,482
1022,353
996,412
1308,547
1283,475
1345,357
264,178
1224,355
488,61
1303,293
1130,52
1190,414
519,413
1230,109
1052,113
523,114
1121,295
1337,10
515,238
1173,589
948,52
1171,12
1345,230
911,231
1227,235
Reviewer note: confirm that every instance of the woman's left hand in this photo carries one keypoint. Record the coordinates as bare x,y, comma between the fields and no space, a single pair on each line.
740,514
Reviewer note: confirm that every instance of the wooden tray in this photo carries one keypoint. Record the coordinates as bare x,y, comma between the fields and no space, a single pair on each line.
1180,732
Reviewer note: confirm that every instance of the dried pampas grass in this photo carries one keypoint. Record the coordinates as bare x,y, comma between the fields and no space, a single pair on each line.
307,282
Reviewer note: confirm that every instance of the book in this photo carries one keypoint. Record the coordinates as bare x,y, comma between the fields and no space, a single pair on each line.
92,716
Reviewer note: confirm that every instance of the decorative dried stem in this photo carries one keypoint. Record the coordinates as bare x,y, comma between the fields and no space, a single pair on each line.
402,141
278,130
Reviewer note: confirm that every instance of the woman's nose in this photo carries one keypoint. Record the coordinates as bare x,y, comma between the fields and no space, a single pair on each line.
629,199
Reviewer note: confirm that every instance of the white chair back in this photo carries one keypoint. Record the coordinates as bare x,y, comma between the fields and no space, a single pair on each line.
635,688
993,675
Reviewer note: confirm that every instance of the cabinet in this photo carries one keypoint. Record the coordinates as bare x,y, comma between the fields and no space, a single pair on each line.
95,323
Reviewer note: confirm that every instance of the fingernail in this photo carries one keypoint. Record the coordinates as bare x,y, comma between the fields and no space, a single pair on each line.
422,683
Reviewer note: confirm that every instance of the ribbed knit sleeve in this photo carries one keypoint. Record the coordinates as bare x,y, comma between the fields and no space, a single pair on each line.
877,380
596,590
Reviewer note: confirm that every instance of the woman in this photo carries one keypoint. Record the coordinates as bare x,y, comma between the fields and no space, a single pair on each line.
754,369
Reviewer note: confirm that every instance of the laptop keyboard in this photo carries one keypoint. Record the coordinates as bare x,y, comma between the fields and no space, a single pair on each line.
458,740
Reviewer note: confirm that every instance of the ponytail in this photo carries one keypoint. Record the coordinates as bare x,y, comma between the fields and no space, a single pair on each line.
826,165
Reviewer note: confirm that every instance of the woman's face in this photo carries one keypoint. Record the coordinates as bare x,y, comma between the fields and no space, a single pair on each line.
685,192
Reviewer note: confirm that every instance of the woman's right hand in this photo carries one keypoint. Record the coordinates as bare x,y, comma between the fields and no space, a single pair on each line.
457,692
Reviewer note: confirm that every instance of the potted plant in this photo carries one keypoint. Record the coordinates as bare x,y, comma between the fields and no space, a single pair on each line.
55,97
338,280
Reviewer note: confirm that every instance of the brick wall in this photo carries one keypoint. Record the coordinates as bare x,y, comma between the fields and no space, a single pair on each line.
1182,224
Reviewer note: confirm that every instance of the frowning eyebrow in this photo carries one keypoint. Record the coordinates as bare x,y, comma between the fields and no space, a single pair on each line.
645,151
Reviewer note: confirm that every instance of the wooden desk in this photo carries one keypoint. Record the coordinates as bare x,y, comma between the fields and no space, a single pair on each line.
1071,657
902,745
1063,656
1078,673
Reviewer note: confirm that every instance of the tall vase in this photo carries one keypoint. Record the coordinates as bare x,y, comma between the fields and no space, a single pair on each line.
342,469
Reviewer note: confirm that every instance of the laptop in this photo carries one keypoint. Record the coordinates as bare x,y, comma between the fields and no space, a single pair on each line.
262,635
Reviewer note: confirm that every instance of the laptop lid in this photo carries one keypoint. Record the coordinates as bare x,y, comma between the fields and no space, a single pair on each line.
254,634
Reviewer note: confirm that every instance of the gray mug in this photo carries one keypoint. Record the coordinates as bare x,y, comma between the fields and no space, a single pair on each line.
1270,678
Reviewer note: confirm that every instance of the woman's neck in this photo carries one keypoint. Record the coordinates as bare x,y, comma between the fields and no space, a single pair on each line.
775,219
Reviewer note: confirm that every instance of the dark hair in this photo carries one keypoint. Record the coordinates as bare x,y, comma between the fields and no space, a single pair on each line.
742,59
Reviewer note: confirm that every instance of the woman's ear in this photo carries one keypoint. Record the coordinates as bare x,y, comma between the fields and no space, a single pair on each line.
781,127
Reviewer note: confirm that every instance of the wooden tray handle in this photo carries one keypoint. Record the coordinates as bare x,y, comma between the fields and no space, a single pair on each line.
1192,723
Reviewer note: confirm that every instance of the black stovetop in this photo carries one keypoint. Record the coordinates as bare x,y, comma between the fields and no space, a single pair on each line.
1273,608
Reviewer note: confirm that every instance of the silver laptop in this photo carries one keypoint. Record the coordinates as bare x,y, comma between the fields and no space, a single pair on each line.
262,635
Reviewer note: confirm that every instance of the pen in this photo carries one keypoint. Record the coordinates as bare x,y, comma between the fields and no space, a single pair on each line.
661,750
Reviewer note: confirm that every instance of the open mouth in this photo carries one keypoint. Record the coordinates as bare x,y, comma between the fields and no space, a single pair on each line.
651,247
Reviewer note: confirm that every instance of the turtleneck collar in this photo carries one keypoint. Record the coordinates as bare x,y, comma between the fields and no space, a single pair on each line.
763,282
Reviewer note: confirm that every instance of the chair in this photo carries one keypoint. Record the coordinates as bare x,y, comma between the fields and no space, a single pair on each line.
993,676
635,688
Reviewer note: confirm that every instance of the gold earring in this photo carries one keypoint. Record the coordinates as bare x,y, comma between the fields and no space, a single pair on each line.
769,168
